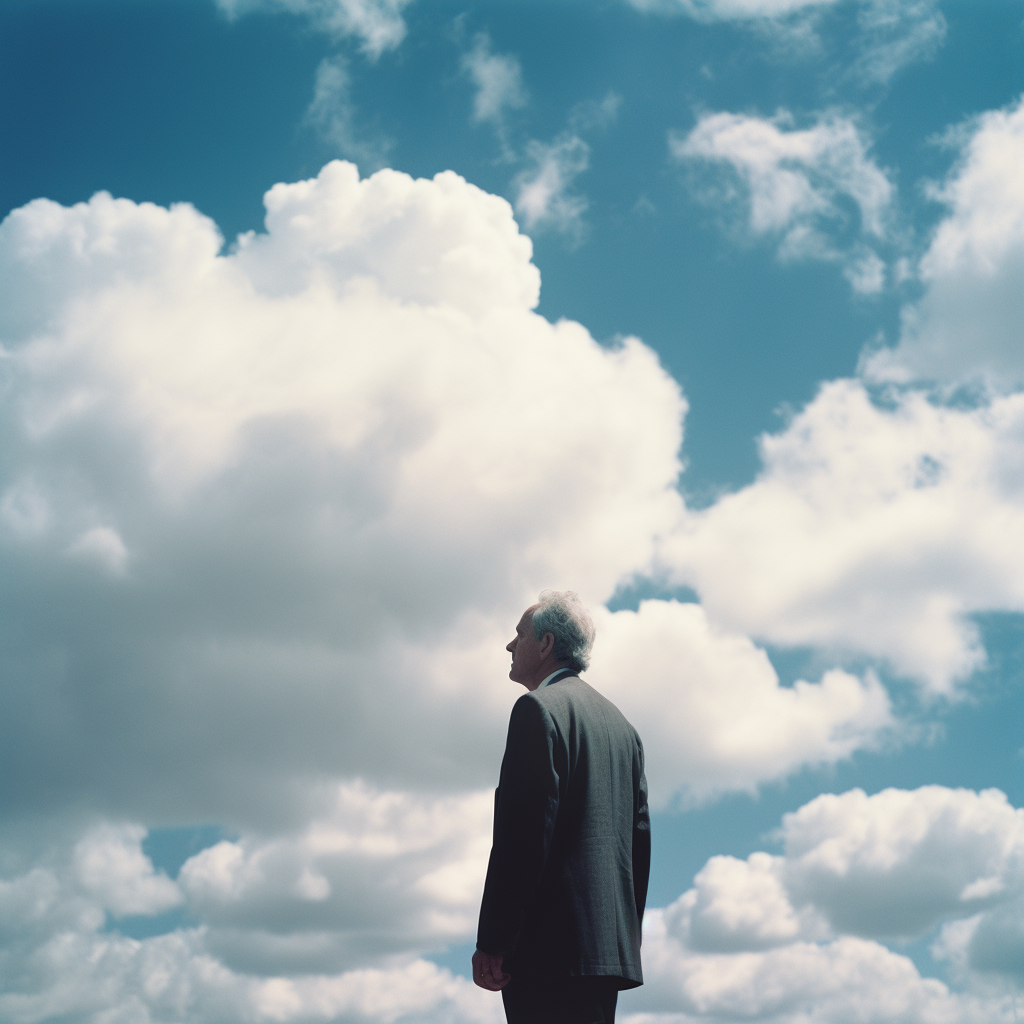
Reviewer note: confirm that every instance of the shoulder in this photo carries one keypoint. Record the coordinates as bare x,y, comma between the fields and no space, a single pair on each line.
576,697
530,711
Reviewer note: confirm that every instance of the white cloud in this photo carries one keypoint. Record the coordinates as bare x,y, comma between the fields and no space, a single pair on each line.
102,546
896,33
374,874
889,866
895,864
741,906
498,80
872,530
58,960
967,325
773,936
595,114
329,453
95,977
987,947
332,461
831,983
24,510
725,10
866,274
542,196
866,513
890,33
112,867
332,114
378,23
710,709
801,185
36,905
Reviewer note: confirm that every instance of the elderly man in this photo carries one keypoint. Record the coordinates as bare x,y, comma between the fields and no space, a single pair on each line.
566,883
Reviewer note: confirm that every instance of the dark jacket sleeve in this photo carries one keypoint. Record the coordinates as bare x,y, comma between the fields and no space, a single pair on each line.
641,842
525,809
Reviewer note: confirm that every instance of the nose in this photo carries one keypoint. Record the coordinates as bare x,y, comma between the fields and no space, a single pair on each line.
511,647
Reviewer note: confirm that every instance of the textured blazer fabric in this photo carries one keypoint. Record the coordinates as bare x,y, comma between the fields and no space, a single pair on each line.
567,878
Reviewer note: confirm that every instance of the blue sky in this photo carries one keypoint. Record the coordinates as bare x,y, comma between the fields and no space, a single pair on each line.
708,310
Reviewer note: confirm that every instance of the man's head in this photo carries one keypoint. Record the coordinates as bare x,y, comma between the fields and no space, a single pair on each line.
555,633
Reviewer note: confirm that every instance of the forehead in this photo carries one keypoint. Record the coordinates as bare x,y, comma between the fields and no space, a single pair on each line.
527,618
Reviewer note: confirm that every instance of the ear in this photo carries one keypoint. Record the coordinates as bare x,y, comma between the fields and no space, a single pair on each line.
547,645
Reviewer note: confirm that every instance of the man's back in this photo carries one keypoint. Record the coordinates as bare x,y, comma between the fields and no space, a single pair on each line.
567,880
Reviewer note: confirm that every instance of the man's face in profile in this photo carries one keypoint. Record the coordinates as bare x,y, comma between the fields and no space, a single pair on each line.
525,650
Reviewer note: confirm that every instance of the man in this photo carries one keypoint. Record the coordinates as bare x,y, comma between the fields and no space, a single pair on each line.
566,883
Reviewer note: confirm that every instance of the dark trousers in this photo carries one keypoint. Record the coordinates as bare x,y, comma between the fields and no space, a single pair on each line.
560,1000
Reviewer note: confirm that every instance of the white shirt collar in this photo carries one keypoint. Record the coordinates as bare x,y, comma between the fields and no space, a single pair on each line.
552,676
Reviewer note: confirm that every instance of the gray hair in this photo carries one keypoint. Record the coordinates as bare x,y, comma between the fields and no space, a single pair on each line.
561,614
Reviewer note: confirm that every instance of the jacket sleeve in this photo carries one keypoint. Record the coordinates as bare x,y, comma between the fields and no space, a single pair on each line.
525,809
641,841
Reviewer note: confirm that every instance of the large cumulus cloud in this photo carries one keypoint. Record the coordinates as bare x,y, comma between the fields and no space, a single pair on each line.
798,935
889,866
267,514
711,710
872,528
251,496
375,875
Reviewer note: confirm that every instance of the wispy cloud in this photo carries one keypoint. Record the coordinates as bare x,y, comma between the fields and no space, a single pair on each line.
816,189
595,114
543,198
896,33
331,114
729,10
377,23
498,80
889,35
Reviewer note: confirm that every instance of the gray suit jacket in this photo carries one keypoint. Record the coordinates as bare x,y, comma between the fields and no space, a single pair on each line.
567,878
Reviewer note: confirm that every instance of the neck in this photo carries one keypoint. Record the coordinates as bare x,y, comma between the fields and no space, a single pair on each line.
543,672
